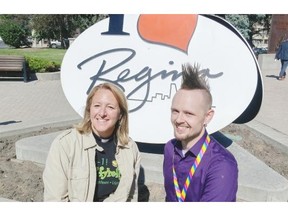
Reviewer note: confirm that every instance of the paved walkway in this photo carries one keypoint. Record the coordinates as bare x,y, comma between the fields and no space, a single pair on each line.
41,103
34,104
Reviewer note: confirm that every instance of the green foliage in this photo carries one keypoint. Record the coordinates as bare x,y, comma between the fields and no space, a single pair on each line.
39,60
54,55
60,26
241,22
11,34
84,21
14,30
250,25
41,65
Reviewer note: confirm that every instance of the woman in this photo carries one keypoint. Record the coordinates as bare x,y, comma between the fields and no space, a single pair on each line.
95,161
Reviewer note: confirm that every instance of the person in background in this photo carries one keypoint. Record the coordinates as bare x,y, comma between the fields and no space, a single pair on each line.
196,167
96,160
282,55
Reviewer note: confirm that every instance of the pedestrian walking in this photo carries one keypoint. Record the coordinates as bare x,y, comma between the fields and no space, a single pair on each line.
282,55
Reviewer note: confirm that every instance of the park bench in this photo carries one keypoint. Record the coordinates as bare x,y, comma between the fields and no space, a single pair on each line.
13,66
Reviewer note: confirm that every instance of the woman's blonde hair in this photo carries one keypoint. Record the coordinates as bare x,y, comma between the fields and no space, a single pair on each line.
121,127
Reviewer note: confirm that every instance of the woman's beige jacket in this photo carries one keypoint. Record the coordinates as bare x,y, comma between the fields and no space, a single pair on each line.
70,171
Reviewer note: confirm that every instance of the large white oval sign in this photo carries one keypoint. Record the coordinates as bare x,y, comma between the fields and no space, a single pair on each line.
143,54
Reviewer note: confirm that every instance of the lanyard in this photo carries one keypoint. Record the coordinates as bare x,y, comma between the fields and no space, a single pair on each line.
181,196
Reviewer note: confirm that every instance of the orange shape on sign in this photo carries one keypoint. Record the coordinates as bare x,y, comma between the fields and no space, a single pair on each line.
174,30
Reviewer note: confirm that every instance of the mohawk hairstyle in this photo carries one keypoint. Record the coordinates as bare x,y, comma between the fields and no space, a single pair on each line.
191,79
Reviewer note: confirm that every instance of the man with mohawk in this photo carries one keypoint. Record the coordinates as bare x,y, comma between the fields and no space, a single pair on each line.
196,168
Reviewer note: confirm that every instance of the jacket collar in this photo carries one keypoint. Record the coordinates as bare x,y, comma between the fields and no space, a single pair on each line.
90,142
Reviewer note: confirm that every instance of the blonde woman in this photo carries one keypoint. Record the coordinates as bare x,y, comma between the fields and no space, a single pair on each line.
97,160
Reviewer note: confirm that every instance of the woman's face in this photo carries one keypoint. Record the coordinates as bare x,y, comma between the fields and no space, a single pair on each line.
104,113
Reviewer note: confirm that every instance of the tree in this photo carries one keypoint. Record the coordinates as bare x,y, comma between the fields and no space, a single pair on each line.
14,30
250,25
61,26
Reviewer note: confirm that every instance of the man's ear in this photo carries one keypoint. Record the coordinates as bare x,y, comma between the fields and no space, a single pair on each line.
209,116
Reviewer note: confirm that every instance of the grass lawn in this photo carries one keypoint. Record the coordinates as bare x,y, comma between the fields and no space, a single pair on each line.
55,55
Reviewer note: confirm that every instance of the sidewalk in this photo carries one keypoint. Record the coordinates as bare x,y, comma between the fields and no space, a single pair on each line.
28,106
41,103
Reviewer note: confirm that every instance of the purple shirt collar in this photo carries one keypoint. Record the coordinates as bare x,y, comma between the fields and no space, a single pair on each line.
195,149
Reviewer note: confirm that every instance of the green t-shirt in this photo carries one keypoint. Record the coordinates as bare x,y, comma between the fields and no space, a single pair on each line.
108,174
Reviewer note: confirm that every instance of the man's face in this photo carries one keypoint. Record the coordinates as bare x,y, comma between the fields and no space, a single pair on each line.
189,113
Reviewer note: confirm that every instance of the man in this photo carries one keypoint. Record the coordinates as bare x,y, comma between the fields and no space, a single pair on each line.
282,54
196,167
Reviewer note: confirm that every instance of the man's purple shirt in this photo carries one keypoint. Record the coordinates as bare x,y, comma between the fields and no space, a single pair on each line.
215,179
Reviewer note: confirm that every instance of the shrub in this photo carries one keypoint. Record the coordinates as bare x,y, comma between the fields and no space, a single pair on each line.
13,34
41,65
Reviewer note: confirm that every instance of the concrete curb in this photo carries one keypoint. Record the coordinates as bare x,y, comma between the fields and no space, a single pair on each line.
256,180
34,128
46,76
6,200
270,135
